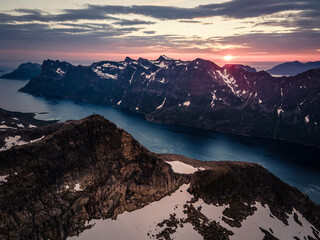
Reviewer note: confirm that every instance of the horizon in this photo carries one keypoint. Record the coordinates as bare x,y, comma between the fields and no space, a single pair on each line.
259,66
236,31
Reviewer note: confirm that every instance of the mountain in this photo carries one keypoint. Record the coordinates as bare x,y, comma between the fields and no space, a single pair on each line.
24,71
195,93
91,178
293,68
240,66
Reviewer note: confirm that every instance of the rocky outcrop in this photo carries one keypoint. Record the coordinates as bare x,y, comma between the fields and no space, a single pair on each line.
24,71
85,169
194,93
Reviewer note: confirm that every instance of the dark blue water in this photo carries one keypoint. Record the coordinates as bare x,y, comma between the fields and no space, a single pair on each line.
293,163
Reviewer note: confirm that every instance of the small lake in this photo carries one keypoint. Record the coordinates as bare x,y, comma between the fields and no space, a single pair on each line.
293,163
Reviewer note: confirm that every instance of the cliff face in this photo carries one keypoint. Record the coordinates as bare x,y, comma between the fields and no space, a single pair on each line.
86,169
60,185
197,93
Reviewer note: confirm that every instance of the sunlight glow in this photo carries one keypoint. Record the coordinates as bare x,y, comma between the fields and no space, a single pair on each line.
228,58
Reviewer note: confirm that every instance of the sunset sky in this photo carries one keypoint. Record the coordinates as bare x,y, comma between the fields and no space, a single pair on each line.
250,31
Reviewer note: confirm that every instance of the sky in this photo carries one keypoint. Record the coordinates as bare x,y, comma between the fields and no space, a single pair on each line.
255,32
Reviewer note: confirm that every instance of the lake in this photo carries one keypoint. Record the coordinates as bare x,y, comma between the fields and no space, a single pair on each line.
295,164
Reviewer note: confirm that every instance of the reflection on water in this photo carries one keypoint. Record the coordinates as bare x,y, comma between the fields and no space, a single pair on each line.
295,164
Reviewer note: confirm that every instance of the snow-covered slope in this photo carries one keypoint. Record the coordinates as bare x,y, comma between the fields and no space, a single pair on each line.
169,217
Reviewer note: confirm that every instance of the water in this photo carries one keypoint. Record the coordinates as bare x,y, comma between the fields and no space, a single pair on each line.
293,163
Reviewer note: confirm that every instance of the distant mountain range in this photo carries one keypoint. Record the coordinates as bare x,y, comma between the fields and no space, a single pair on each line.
195,93
72,178
293,68
24,71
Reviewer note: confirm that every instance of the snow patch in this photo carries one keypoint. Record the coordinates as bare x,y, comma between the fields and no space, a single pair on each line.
162,81
279,111
3,179
77,187
161,64
307,119
130,81
180,167
60,72
108,65
6,127
213,98
160,106
15,141
186,103
104,75
230,81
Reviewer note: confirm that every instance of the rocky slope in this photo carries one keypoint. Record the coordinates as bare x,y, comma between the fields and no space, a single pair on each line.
197,93
293,68
83,170
24,71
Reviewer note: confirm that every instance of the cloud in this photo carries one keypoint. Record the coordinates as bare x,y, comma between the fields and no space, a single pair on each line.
189,21
233,9
104,27
125,22
149,32
281,43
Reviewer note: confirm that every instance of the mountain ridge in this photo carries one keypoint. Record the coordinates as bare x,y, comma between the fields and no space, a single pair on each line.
195,93
293,68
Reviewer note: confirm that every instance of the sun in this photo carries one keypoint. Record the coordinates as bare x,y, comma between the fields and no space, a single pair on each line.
228,58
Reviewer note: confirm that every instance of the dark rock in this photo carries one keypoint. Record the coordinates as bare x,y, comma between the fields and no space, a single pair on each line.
268,235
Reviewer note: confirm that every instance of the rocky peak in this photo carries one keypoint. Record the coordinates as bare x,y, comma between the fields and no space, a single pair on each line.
202,64
129,60
85,169
164,58
240,66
